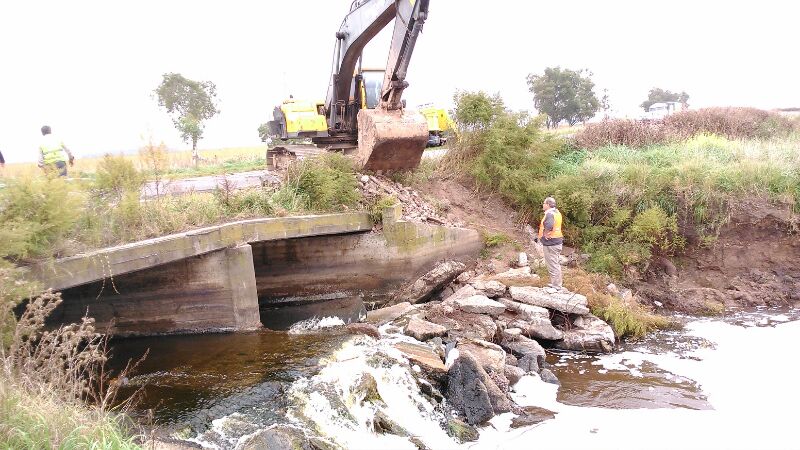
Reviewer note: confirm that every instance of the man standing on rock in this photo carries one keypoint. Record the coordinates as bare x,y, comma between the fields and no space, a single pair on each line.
552,240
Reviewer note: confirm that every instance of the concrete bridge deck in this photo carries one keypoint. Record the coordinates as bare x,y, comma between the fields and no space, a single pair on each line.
226,277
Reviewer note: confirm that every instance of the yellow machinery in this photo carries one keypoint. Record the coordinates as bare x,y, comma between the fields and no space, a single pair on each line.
439,123
363,113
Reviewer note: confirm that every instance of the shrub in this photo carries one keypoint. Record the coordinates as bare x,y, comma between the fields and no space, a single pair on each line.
117,176
376,210
325,183
36,214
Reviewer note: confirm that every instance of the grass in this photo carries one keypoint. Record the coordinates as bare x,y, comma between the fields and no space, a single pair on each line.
178,164
46,217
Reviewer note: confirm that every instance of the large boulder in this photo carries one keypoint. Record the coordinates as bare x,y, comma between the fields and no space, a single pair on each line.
472,392
525,311
460,324
491,356
480,304
513,374
388,314
566,302
491,288
426,285
522,346
465,291
422,330
588,333
538,328
530,363
517,277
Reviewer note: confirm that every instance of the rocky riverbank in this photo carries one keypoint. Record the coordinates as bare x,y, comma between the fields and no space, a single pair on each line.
476,343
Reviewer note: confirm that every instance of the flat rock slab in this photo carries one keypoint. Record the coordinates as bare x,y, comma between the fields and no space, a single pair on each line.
480,304
363,328
527,312
531,415
491,288
388,314
517,277
432,281
422,330
463,324
566,302
427,359
465,291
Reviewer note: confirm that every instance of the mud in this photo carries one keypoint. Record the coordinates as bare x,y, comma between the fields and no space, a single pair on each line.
754,262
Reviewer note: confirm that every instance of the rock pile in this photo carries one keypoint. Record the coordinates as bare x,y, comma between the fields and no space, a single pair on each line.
415,208
484,336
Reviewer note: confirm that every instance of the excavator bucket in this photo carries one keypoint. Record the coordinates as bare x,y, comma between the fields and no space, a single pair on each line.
390,140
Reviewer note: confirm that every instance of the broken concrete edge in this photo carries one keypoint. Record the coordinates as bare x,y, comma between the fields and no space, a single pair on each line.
105,263
411,236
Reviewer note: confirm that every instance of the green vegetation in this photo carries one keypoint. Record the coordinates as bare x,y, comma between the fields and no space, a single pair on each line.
189,103
53,393
564,95
46,217
376,210
658,95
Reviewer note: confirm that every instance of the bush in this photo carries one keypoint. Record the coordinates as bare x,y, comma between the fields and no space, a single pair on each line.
117,176
36,214
325,183
376,210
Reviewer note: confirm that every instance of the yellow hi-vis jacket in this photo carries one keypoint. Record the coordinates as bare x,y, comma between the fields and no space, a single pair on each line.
52,150
557,220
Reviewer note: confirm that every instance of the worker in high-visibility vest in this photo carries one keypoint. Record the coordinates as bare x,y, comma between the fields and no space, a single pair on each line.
552,240
53,154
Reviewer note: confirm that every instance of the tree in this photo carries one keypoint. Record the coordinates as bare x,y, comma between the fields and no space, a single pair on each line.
658,95
564,95
189,104
477,110
605,104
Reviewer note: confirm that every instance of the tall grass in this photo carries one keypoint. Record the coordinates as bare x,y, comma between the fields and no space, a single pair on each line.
53,391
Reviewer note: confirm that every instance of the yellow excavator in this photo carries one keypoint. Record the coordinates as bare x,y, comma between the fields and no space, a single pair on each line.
363,114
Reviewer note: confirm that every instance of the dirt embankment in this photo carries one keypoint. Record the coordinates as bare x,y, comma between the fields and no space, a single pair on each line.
755,261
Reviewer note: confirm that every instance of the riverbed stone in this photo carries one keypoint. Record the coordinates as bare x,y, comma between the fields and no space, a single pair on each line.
530,363
531,415
522,346
461,324
591,335
538,328
366,329
388,314
491,356
472,392
423,287
564,301
480,304
425,357
513,374
549,377
517,277
490,288
276,437
526,311
463,432
422,330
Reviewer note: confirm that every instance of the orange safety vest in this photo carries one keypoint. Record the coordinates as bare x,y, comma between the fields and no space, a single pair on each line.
556,233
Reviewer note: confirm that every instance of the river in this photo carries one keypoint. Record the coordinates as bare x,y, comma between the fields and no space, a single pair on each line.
717,383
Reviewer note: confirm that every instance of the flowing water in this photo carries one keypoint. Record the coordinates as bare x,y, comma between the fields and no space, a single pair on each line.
717,383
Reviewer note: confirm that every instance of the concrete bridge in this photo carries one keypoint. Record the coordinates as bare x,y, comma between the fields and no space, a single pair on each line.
220,278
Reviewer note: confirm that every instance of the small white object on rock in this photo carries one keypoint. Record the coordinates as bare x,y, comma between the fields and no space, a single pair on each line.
522,261
364,179
612,289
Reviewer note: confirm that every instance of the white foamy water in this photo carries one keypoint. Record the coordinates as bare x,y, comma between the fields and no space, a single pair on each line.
748,375
314,324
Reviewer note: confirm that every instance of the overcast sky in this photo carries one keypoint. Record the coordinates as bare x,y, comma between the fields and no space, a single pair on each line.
88,68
